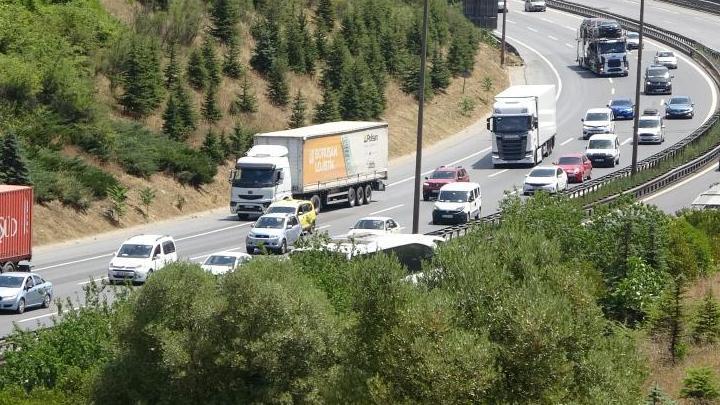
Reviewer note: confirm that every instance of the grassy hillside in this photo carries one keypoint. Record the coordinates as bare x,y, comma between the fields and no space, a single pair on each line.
87,86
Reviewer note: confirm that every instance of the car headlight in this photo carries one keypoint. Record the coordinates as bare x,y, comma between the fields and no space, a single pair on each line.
426,184
459,209
251,234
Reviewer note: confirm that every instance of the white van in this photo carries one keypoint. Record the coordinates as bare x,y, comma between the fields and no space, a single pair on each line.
139,256
457,202
603,149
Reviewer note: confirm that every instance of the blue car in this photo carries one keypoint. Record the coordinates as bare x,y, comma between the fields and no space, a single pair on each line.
20,290
622,108
679,107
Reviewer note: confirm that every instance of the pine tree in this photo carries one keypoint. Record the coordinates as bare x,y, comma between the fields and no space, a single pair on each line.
295,48
173,126
210,110
268,46
197,75
337,62
186,110
439,73
13,169
142,80
224,15
328,110
656,396
246,101
211,147
231,64
277,90
669,318
461,54
706,327
224,145
212,66
299,107
325,15
172,71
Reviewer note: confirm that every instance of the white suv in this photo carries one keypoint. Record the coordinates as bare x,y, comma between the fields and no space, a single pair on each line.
598,121
457,202
139,256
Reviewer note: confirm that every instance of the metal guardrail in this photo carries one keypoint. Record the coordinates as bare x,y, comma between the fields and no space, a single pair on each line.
707,57
712,7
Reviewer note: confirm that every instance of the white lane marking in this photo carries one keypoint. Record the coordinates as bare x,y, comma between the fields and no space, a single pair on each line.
610,80
569,45
555,71
511,21
612,90
548,20
498,173
567,141
625,142
552,37
532,29
669,22
212,232
323,227
570,28
37,317
387,209
73,262
93,280
682,183
470,156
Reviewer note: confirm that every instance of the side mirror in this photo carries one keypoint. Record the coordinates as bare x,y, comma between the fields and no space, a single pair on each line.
672,76
582,119
231,176
489,124
555,162
426,178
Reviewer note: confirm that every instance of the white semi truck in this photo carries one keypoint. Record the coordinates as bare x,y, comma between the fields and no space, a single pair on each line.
333,163
523,125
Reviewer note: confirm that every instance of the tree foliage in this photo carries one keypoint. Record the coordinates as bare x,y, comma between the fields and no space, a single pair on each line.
142,79
197,73
299,107
224,15
13,168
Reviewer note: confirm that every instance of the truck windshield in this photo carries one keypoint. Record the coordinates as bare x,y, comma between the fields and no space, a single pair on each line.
253,177
611,47
512,124
453,196
270,222
653,123
134,251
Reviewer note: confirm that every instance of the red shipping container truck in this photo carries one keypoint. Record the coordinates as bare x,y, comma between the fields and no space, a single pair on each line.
16,204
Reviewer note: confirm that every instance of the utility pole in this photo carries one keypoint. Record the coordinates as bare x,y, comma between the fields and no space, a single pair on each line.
638,81
421,106
502,42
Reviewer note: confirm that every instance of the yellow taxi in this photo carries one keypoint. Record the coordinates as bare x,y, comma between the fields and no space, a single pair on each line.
303,209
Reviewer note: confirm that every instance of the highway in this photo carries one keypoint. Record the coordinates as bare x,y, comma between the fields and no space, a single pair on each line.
545,41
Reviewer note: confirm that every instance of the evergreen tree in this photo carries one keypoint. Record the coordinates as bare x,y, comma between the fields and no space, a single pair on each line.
706,327
212,67
461,55
196,72
142,80
268,46
246,101
325,15
328,110
224,145
173,126
211,147
700,385
231,64
277,89
669,318
439,73
299,107
172,71
337,62
186,110
411,78
656,396
224,15
13,169
295,48
210,110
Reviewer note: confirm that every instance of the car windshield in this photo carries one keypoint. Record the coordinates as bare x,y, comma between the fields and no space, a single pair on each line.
600,144
569,160
270,222
665,54
646,123
597,117
453,196
370,224
611,47
135,251
11,281
218,260
281,210
542,173
633,35
253,177
443,174
621,103
656,72
518,123
679,100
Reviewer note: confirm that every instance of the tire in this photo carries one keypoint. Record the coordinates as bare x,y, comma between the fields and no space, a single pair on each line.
467,218
352,198
242,217
426,196
283,247
360,195
8,267
317,203
250,250
21,306
46,301
477,216
368,194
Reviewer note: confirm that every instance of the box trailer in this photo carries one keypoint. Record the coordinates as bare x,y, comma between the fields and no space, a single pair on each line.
331,163
16,203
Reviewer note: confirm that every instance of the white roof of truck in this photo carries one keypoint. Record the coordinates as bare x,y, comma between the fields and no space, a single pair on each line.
526,90
708,198
328,128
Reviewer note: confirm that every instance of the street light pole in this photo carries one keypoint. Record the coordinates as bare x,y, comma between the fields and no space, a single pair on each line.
502,42
421,105
638,81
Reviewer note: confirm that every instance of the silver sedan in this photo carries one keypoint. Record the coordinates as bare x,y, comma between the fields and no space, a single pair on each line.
21,290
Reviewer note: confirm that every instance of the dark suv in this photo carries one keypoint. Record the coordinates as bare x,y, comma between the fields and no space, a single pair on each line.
658,80
442,176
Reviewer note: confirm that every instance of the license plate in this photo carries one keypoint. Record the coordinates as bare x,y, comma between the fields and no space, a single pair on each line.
447,216
248,206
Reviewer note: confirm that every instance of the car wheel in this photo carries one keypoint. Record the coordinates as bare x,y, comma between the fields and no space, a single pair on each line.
368,194
283,247
46,301
250,250
242,217
21,306
426,196
467,218
316,202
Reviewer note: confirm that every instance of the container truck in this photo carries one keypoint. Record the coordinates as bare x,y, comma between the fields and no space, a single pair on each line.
523,125
333,163
602,47
16,204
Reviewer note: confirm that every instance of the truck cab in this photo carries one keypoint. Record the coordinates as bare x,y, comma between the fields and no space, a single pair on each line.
602,47
259,179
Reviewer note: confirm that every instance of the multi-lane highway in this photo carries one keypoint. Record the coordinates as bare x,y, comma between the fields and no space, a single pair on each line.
545,41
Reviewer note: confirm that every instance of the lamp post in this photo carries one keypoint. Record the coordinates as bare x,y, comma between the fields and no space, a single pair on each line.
502,41
638,81
421,105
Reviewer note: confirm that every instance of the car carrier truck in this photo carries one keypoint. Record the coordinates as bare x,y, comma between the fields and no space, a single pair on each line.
333,163
16,204
602,47
523,125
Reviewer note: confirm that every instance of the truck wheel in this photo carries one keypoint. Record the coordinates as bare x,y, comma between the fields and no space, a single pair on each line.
351,197
360,193
316,202
8,267
368,194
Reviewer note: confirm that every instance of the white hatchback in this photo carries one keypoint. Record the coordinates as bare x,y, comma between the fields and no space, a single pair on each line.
139,256
374,226
550,179
598,121
223,262
667,59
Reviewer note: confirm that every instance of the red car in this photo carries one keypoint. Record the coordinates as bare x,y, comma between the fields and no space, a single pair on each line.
442,176
577,166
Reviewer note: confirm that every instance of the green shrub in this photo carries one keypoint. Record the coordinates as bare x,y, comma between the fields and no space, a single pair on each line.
700,385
